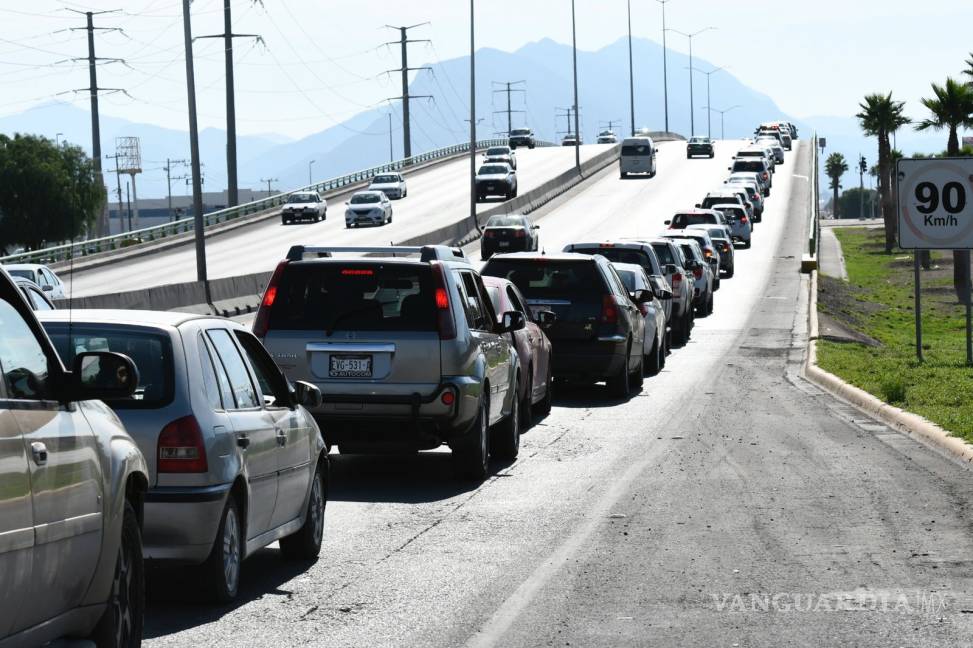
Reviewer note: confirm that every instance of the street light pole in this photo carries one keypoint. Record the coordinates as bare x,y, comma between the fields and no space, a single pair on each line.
692,107
709,130
476,223
722,113
631,72
665,73
198,223
574,53
309,180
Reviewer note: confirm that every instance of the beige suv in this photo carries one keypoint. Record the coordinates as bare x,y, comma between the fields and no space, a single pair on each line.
72,484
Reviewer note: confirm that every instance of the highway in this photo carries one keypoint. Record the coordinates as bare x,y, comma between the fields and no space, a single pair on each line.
729,503
437,196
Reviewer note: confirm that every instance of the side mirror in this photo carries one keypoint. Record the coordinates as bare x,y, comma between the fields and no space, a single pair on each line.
536,227
713,261
307,394
668,222
663,293
102,375
671,268
699,205
512,321
729,168
546,319
47,288
643,296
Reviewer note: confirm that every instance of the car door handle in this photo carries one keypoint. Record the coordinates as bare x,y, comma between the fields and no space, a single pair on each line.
281,438
243,441
39,452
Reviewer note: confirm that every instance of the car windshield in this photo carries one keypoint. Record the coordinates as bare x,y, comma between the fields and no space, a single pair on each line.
492,169
497,151
302,198
25,274
356,296
730,211
505,221
150,351
385,179
685,220
546,279
365,199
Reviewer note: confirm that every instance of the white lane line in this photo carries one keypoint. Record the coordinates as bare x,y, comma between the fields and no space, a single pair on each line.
802,177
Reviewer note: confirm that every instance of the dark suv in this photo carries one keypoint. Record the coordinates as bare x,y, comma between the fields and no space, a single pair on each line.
407,352
522,137
598,332
700,146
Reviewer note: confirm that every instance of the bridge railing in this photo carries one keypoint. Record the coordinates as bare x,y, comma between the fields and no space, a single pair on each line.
123,240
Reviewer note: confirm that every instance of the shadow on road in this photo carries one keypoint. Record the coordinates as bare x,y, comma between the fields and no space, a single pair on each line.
404,478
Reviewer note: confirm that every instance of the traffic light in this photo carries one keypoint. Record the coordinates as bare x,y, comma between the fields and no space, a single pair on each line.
862,164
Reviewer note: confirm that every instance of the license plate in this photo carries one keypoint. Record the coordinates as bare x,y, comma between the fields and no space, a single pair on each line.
349,366
504,243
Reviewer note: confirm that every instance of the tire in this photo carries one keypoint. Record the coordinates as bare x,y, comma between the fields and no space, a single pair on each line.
620,384
305,544
729,273
121,624
505,435
545,404
624,175
637,377
527,405
655,360
716,283
283,221
347,225
221,571
471,455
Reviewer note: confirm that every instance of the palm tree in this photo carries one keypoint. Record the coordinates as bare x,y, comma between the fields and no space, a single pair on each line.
952,109
969,68
881,116
835,167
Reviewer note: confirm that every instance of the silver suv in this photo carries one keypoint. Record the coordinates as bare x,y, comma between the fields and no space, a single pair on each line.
408,351
72,483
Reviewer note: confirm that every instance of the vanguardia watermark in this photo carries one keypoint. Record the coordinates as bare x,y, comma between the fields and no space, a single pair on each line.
883,601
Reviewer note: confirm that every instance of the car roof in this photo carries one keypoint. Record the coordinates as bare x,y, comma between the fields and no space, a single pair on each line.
625,245
728,206
24,281
367,192
503,164
161,319
557,256
24,266
691,212
638,139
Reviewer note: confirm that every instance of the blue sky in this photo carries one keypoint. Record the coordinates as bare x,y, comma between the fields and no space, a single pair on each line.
323,60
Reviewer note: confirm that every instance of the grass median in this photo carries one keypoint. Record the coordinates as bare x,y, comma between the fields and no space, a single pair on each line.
877,301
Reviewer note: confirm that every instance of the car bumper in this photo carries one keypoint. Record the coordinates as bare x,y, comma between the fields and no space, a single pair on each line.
493,189
181,523
364,219
497,247
301,215
589,360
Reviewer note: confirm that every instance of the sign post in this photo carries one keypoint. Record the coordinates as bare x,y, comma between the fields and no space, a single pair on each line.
935,209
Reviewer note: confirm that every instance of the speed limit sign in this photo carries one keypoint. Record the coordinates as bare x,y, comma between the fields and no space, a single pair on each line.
935,203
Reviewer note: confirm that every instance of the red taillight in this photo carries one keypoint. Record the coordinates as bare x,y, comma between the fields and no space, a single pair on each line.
743,219
520,234
357,272
676,278
261,323
448,398
765,176
707,253
181,447
489,234
698,273
726,247
609,310
644,307
444,314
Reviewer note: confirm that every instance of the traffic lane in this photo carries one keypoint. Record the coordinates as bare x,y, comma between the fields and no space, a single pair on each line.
436,196
413,558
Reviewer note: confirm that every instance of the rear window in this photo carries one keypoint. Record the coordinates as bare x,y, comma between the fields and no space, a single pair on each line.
709,201
636,149
628,279
748,165
24,274
544,279
664,252
621,255
505,221
151,352
385,179
355,297
685,220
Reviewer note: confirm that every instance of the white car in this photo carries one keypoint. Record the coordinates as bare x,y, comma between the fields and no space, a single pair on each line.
304,205
500,154
368,208
391,184
774,145
607,137
638,285
41,275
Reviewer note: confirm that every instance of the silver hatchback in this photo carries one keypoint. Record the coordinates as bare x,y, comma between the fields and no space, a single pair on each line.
235,461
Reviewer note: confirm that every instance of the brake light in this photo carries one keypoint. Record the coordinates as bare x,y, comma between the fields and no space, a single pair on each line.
357,272
698,273
444,314
261,323
765,176
609,310
726,247
520,234
448,398
489,234
743,219
707,253
181,447
676,278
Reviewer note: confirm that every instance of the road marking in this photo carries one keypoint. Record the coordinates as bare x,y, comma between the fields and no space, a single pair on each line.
802,177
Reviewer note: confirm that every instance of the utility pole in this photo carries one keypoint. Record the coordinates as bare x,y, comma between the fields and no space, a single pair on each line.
405,69
128,202
476,223
631,72
709,129
268,181
862,168
692,107
574,54
232,188
665,73
200,235
611,124
391,149
118,179
509,89
169,180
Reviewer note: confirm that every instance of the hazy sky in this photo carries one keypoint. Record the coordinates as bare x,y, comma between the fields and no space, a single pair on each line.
323,59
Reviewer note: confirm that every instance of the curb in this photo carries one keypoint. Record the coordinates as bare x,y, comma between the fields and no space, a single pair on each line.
921,429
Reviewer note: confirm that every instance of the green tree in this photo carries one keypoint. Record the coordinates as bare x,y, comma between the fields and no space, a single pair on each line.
48,193
851,203
881,116
969,68
835,167
951,108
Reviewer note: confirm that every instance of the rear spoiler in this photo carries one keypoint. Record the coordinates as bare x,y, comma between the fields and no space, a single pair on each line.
425,252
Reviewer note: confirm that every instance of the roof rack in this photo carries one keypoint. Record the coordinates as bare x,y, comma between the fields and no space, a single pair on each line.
425,252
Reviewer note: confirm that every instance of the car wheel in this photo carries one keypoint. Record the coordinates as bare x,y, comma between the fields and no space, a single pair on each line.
729,273
222,568
619,385
305,544
471,455
527,405
121,624
716,283
623,175
544,406
637,377
665,350
655,360
505,436
283,221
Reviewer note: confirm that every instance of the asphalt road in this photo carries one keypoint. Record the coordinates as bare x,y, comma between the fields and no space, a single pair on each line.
437,196
729,503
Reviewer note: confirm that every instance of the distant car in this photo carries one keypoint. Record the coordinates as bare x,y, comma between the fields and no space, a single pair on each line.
737,221
760,152
700,146
533,348
598,333
495,180
703,274
41,275
33,294
522,137
500,154
637,155
654,340
723,241
607,137
368,208
237,462
683,219
571,140
72,487
760,166
753,193
391,184
408,351
723,196
304,206
774,145
513,233
674,264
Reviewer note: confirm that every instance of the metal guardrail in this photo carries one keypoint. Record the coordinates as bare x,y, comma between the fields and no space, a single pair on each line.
814,228
126,239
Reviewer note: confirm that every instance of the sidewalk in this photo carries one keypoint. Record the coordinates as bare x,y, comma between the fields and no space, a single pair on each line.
830,259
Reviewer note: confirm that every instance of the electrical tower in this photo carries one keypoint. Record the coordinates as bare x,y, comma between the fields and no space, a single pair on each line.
232,188
508,88
610,124
405,69
569,115
128,159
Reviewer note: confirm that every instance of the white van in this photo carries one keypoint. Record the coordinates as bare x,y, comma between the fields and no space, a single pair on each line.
637,156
